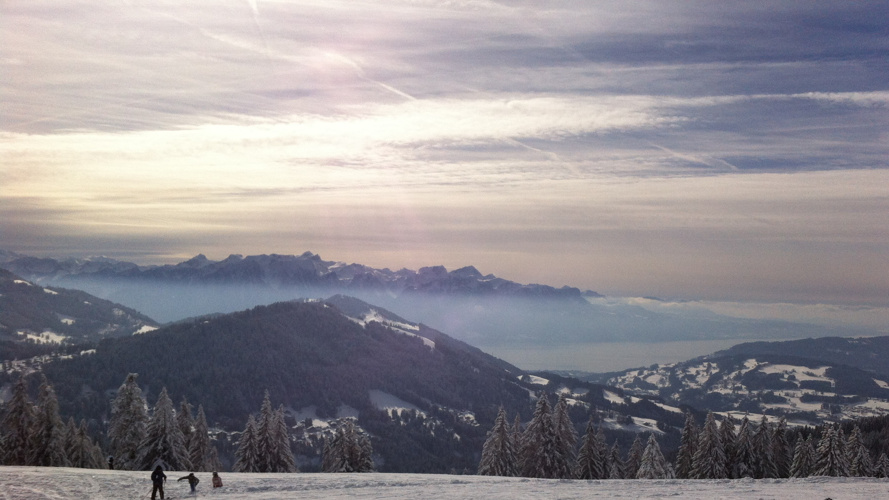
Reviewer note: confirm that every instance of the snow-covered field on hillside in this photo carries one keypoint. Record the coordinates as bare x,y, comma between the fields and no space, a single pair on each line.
35,483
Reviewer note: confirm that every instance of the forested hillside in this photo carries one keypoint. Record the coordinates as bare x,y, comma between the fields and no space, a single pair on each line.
35,319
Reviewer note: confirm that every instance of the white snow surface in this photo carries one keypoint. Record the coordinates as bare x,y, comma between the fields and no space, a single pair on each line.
45,483
145,329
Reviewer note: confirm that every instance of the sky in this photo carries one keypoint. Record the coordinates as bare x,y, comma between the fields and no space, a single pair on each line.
733,152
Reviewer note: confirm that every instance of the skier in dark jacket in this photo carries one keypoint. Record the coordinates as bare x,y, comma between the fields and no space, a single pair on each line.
192,481
157,481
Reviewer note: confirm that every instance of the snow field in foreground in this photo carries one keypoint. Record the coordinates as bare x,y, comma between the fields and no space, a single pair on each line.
44,483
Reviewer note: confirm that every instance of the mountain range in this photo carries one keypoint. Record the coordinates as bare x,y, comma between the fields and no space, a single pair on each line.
426,398
490,312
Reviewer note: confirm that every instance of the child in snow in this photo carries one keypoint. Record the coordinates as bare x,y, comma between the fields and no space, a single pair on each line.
157,482
217,481
192,481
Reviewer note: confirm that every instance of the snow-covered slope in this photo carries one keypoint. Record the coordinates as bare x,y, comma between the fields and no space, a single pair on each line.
43,483
804,389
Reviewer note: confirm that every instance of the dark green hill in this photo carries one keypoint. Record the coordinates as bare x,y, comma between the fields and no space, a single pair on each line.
865,353
36,319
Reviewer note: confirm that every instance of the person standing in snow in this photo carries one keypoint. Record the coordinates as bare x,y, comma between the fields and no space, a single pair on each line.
157,481
217,481
192,481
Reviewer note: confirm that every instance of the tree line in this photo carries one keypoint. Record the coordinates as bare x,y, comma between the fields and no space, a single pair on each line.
548,448
138,439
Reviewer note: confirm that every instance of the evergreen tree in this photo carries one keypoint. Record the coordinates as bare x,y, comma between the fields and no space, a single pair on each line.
781,450
126,430
539,448
49,430
831,453
81,450
516,434
881,468
634,458
615,464
745,458
709,460
687,447
498,455
727,437
857,455
267,444
653,464
247,454
566,438
803,457
348,451
185,420
17,425
282,460
590,462
199,444
764,451
164,444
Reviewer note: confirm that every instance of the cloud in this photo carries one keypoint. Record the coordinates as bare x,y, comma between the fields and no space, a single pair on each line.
736,151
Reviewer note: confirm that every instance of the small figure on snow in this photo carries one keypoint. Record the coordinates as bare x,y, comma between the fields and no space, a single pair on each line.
158,478
217,481
111,462
192,481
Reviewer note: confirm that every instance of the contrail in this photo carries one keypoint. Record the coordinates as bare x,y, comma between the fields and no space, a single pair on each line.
704,160
359,71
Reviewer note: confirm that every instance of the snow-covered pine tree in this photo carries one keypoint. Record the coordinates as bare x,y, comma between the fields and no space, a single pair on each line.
615,464
282,460
347,451
803,457
764,451
199,444
858,456
727,437
266,443
49,430
81,450
516,434
653,464
590,462
247,455
498,455
538,453
745,458
634,458
881,468
709,460
164,444
687,447
185,420
17,425
831,454
126,430
365,459
781,450
566,439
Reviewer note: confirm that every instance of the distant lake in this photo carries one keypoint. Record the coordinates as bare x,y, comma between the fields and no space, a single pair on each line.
610,356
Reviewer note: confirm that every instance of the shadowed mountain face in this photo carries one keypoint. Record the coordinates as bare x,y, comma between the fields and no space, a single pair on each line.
305,354
32,316
426,399
484,310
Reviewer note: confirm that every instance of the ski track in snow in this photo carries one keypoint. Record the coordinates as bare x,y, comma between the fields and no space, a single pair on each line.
45,483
